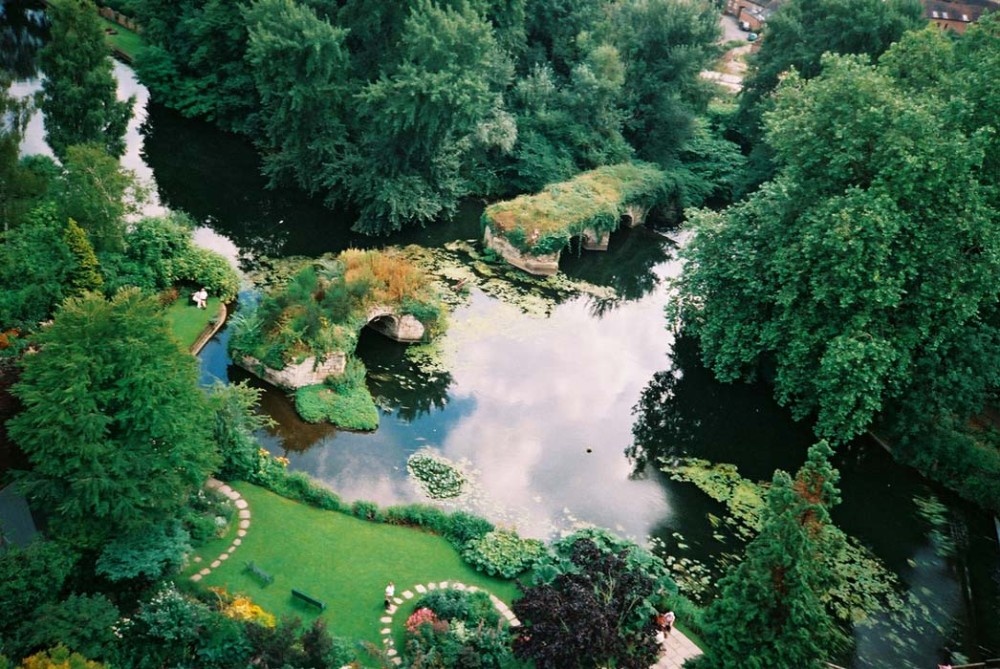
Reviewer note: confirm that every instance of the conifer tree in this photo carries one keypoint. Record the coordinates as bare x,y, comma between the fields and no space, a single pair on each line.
79,92
771,612
87,273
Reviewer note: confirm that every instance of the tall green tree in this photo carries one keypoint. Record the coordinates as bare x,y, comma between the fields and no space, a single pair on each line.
194,60
114,425
799,32
36,269
14,115
429,121
300,67
864,274
770,613
78,94
98,193
666,44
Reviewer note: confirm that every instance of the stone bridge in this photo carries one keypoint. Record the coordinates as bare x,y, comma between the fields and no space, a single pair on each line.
400,327
547,264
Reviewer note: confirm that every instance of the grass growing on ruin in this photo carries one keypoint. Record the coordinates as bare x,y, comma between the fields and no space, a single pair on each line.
545,222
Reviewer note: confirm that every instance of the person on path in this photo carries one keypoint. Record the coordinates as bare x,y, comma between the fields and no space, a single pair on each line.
390,590
668,621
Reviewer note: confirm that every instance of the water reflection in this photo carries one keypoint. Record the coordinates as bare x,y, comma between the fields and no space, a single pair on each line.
23,31
684,412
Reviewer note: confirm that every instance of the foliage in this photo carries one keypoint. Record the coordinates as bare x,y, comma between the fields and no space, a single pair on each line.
241,607
236,408
36,269
207,515
666,44
78,92
151,554
299,65
598,583
15,114
799,32
30,578
595,200
321,311
452,628
159,253
771,611
59,657
82,622
87,273
97,192
503,553
429,119
351,408
854,274
453,605
436,475
110,423
175,630
194,60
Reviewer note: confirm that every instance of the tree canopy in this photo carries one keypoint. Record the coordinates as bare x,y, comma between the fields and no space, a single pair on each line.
79,92
862,277
592,605
402,109
111,419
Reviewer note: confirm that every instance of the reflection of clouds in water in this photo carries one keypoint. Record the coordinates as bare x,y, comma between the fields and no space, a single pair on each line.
128,85
546,390
33,142
207,238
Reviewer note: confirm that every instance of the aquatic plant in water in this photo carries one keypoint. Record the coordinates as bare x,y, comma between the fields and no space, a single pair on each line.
867,589
436,475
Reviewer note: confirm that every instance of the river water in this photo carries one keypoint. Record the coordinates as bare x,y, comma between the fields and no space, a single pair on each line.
536,390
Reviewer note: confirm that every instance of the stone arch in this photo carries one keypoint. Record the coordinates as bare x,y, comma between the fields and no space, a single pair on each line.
400,327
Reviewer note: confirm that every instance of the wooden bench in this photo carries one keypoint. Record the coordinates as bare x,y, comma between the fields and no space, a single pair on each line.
298,594
262,576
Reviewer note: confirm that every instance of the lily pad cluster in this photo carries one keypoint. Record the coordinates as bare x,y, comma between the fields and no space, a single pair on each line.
436,476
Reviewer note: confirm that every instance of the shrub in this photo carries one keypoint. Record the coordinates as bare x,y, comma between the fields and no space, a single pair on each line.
503,553
367,511
464,526
458,605
150,554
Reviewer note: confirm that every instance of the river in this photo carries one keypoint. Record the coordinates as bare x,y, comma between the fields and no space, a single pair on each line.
534,392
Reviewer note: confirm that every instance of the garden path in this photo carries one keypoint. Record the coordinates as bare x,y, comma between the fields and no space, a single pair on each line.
243,511
676,647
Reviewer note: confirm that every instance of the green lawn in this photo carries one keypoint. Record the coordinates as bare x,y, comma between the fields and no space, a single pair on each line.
122,39
187,321
339,559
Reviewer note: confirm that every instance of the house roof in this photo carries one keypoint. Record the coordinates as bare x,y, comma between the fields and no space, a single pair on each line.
965,12
16,523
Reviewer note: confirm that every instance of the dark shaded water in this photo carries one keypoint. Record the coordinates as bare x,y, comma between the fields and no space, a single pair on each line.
534,390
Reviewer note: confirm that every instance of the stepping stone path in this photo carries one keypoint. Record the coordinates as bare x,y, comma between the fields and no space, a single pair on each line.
243,514
386,620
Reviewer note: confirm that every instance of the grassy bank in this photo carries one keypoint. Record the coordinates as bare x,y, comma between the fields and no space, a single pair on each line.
338,559
187,321
122,39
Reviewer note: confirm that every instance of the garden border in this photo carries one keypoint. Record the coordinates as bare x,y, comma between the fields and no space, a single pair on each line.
243,511
421,589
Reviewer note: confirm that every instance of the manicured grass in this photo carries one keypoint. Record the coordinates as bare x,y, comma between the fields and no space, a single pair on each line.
338,559
122,39
188,321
